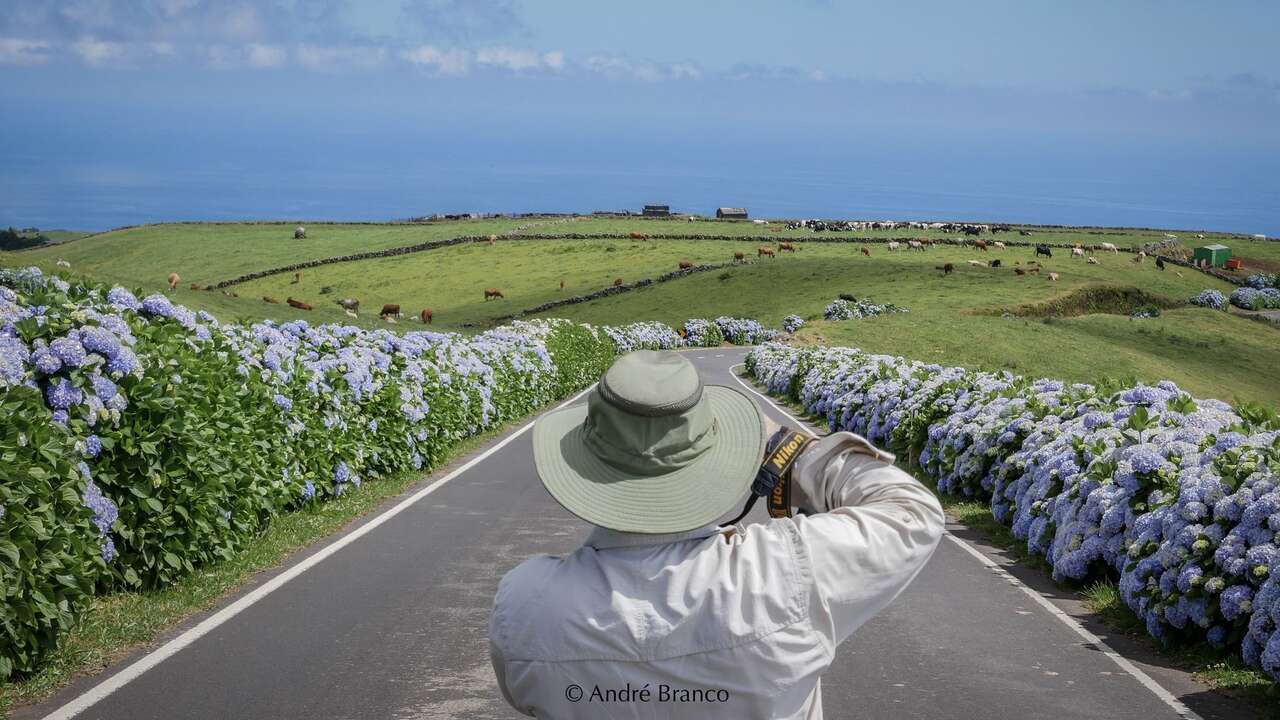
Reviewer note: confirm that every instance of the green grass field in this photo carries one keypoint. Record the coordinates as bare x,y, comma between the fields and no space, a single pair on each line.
954,319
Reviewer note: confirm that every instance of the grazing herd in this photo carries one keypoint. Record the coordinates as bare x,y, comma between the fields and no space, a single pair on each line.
391,312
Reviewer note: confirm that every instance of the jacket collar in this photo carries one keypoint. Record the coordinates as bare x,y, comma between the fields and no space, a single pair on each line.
604,538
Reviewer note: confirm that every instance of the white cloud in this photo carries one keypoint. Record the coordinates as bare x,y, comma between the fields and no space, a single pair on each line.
340,57
266,56
444,62
518,60
99,52
16,51
613,66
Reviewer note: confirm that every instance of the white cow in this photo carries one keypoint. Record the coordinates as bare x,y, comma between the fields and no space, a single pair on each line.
1109,246
893,246
1077,252
999,244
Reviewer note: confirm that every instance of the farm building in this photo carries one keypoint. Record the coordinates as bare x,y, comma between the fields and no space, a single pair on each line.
1212,255
728,213
657,211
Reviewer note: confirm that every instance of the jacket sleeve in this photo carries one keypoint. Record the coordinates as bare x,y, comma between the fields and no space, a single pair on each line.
873,530
495,651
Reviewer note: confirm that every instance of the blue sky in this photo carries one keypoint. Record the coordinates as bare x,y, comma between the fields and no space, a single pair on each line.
113,91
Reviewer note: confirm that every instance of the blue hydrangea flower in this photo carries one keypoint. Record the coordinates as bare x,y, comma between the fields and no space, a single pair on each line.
62,394
283,402
92,446
69,351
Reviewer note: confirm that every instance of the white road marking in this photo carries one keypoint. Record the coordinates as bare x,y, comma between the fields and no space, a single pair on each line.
171,648
1124,664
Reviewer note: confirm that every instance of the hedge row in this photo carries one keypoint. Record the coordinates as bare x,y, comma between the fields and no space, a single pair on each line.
1178,498
143,440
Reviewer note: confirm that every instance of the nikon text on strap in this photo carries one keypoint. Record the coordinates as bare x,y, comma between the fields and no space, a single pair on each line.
774,476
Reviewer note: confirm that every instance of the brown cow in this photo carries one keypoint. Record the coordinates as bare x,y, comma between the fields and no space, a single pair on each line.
493,293
297,303
269,299
637,236
390,310
763,251
297,278
980,244
685,264
562,284
786,246
426,316
197,286
173,281
493,239
1035,270
946,269
617,282
739,257
866,251
1019,271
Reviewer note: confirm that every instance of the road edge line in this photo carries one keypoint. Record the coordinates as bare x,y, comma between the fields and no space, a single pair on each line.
109,685
1121,661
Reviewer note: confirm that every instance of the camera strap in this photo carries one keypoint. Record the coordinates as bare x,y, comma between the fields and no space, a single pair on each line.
773,479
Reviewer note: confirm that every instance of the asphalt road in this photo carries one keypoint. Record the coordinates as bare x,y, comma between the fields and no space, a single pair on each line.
393,625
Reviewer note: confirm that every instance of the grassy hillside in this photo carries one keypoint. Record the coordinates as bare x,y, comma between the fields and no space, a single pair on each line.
954,319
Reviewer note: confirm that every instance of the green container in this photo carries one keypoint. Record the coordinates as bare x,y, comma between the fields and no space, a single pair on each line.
1212,255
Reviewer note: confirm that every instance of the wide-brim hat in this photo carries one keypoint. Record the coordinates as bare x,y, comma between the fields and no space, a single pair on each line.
653,450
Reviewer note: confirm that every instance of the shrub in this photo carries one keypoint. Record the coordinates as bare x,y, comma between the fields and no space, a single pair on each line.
1251,298
1210,298
744,331
699,332
792,323
847,307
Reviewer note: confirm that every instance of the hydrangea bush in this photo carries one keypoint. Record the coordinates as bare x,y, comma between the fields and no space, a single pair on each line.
1252,298
792,323
744,331
143,440
1210,298
700,332
1176,497
852,308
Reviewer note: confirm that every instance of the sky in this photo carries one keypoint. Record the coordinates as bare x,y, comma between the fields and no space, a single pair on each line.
138,111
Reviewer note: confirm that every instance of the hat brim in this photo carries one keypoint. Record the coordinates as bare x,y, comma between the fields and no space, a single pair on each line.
684,499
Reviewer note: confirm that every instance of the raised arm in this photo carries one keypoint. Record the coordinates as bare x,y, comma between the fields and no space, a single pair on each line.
872,530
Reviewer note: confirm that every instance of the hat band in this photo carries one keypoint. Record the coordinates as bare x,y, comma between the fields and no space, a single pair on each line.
675,407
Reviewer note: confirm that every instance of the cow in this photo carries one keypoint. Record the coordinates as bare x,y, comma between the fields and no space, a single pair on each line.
1091,260
299,233
1024,233
1077,252
994,264
1139,257
1159,263
739,257
946,269
980,244
976,263
197,286
637,236
351,305
269,299
1042,249
493,293
297,304
493,239
1019,271
893,246
297,278
426,316
915,245
685,265
786,246
617,282
63,263
173,281
866,251
1109,246
764,251
999,245
389,310
1053,276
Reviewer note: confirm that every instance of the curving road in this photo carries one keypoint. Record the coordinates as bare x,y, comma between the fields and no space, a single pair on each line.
388,620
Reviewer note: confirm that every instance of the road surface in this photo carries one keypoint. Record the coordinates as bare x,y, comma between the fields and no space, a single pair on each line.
389,619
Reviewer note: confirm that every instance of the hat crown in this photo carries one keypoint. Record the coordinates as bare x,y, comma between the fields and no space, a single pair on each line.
652,383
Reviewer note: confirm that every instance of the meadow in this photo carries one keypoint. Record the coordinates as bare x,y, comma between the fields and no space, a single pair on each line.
1089,335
